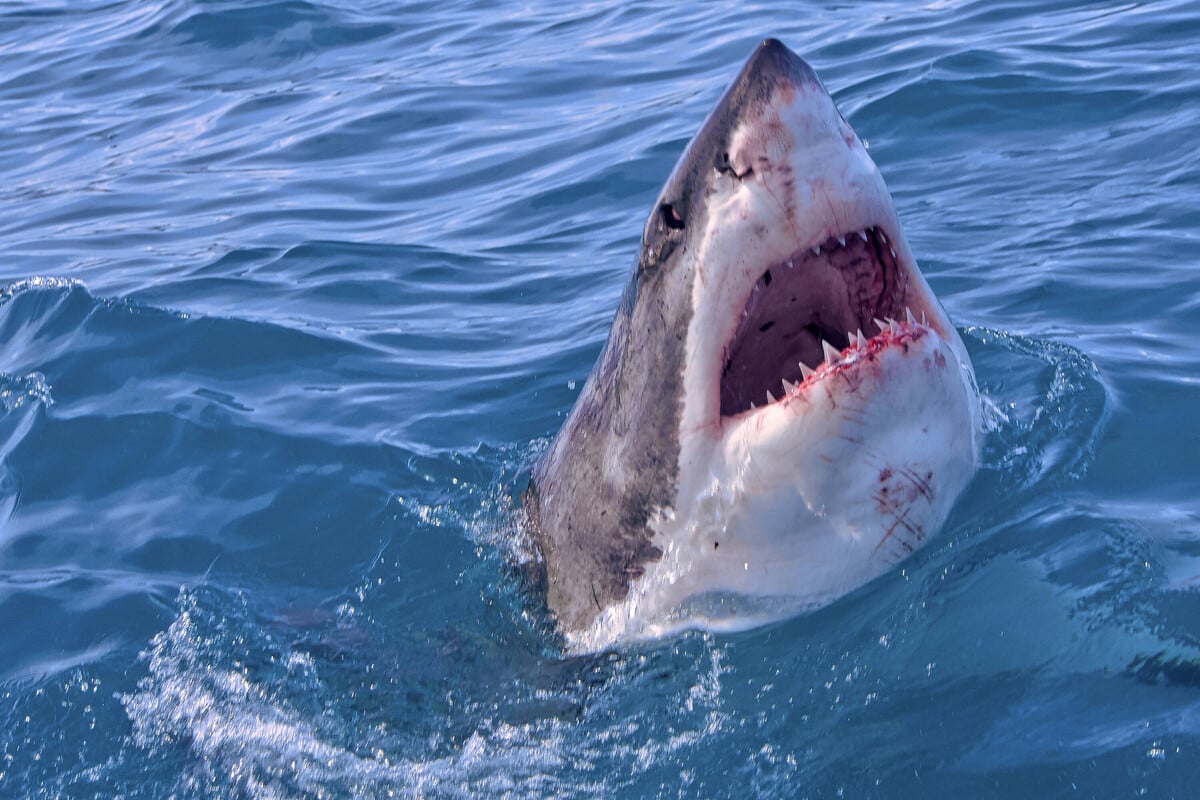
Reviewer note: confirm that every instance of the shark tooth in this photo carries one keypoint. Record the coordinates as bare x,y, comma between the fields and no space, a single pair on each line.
816,250
770,397
862,235
842,241
788,386
862,340
879,324
909,316
831,352
805,370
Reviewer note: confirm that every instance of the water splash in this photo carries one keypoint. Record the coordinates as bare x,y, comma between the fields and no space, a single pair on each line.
229,703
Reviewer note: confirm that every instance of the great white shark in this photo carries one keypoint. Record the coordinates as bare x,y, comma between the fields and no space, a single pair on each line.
783,409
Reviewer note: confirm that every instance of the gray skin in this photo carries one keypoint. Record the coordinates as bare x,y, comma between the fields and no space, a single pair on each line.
616,460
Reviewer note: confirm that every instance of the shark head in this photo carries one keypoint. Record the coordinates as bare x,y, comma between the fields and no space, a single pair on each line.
783,409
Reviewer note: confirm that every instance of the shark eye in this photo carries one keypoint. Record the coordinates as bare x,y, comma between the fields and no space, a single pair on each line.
660,238
671,217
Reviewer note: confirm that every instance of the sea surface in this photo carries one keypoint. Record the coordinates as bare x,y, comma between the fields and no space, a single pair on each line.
292,293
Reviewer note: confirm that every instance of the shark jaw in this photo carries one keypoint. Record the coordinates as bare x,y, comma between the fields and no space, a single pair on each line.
783,410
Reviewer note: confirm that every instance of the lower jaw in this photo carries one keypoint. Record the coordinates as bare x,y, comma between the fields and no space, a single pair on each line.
779,512
906,402
798,503
775,510
860,353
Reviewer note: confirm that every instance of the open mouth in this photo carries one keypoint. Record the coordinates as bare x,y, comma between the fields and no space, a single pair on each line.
806,311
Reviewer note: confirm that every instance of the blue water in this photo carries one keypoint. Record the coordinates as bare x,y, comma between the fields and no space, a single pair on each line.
292,292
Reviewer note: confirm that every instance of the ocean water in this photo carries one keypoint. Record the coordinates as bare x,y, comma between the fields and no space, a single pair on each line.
292,293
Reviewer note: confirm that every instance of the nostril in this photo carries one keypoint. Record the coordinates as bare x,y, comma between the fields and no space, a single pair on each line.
724,165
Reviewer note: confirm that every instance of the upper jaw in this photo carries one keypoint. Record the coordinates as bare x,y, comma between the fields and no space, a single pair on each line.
775,173
779,289
803,251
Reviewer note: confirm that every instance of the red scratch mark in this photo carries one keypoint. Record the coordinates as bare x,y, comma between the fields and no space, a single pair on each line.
921,484
900,521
